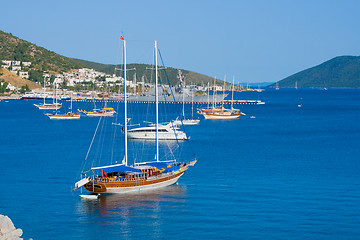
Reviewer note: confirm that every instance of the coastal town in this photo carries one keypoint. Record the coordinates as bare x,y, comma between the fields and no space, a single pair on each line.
87,83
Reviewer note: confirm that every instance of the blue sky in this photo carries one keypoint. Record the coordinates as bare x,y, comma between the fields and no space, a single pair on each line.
255,41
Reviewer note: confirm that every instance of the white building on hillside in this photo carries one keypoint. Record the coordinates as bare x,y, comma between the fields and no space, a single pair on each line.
24,75
26,64
6,63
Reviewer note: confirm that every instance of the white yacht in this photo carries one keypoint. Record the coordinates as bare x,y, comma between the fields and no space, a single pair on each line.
165,132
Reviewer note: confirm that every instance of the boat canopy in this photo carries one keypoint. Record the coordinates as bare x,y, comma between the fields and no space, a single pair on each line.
116,168
172,169
158,165
164,166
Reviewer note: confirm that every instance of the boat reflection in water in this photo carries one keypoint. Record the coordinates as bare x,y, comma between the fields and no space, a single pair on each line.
117,208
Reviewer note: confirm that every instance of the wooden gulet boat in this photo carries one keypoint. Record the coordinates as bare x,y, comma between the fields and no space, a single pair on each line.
48,106
104,112
66,116
222,113
121,178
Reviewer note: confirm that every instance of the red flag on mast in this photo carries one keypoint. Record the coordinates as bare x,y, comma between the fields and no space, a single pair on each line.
121,37
104,174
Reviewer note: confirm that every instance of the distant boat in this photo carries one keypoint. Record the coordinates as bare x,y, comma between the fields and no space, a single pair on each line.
213,108
48,106
66,116
185,121
122,178
165,132
277,86
222,113
104,112
101,112
157,131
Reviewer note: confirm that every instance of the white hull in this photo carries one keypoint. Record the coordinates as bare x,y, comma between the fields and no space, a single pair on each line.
187,122
100,114
143,188
64,117
161,136
165,132
47,107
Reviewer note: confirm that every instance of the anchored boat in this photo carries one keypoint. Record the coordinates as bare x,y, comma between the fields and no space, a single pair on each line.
122,178
104,112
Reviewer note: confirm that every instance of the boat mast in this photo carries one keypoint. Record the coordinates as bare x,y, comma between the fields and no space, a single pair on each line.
214,93
156,103
223,92
208,96
56,102
192,101
125,103
183,99
71,102
232,93
44,89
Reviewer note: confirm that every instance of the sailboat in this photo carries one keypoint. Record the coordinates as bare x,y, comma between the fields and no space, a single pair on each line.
185,121
122,178
169,131
66,116
222,113
209,109
103,112
277,86
47,106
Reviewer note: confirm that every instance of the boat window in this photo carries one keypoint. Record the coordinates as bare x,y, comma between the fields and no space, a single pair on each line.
148,130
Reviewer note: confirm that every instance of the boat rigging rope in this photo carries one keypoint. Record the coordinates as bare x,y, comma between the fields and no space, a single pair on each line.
172,93
87,154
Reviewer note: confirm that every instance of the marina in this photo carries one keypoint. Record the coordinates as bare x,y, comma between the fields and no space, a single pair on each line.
241,123
285,158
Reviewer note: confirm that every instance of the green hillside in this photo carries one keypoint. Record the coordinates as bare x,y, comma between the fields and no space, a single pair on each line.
144,71
339,72
13,48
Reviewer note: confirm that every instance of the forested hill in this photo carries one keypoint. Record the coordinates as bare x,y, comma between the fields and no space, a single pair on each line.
43,60
143,71
339,72
14,48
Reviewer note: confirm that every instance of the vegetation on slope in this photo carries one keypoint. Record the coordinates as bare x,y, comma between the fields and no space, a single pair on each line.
145,72
13,48
339,72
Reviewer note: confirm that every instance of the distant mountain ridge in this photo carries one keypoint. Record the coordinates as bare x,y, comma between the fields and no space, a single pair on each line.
339,72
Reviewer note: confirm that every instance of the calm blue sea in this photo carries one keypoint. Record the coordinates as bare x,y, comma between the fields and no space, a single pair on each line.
288,173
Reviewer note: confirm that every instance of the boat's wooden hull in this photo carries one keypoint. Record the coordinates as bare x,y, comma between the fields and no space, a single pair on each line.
221,116
69,116
117,187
